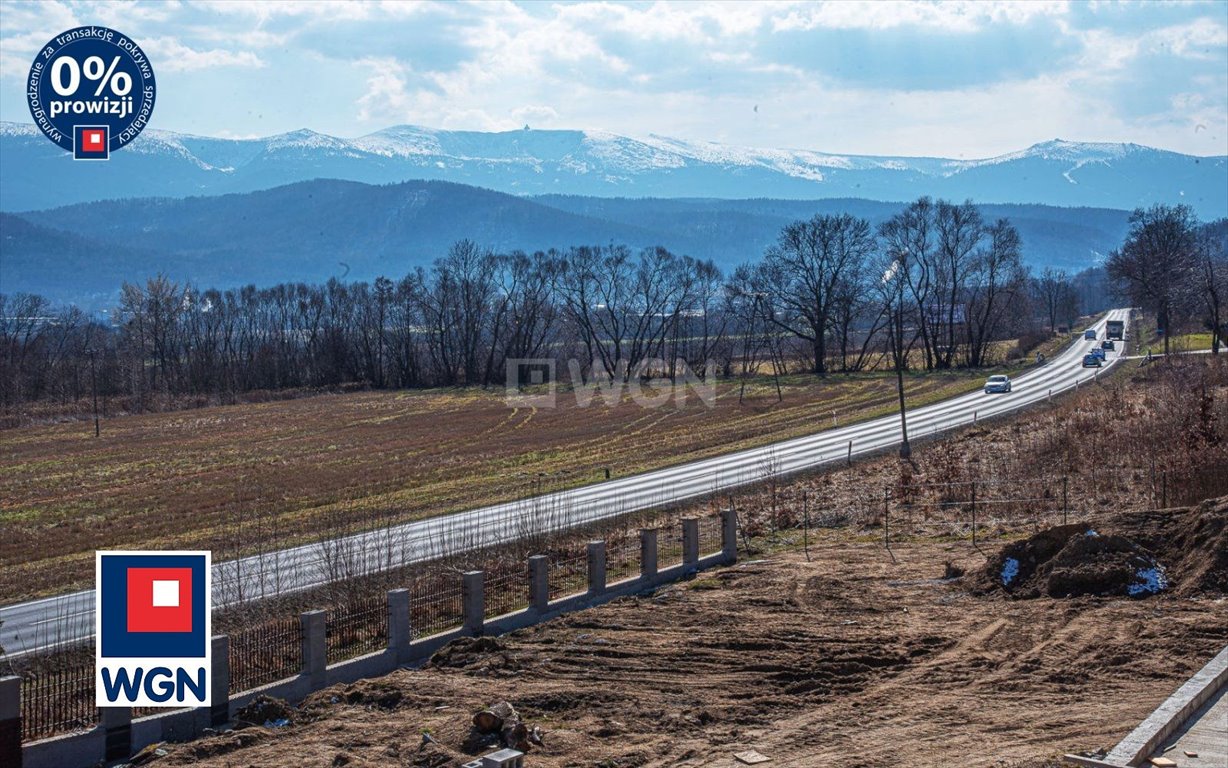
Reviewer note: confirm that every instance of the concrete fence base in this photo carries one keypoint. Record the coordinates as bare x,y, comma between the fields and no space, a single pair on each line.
118,735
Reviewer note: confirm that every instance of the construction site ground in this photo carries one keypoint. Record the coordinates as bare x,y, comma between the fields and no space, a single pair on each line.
846,656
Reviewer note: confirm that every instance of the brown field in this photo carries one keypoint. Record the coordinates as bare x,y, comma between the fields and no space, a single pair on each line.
231,478
846,659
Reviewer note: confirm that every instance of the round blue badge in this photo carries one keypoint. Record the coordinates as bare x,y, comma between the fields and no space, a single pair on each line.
91,91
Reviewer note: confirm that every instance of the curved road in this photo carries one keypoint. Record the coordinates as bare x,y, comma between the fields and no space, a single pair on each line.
68,618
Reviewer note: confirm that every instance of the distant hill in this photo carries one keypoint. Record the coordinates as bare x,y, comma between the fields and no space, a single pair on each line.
595,164
315,230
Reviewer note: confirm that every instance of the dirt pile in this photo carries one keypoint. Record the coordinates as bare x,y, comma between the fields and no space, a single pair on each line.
266,711
1178,551
1192,542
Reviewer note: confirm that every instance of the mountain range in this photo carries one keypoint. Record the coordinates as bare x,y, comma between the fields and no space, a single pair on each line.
311,231
37,174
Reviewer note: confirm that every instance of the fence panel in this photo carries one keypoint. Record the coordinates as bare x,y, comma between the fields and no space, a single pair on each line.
357,627
669,546
436,604
710,541
568,574
265,653
622,559
57,692
506,591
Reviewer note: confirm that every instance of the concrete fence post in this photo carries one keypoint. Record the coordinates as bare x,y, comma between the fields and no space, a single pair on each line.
116,724
596,567
690,541
648,553
399,632
315,648
10,721
473,591
219,689
539,583
729,534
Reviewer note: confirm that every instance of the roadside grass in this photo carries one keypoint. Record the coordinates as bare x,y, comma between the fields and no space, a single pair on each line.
1190,342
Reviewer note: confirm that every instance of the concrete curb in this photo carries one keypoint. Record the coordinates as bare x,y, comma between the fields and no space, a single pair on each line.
1151,734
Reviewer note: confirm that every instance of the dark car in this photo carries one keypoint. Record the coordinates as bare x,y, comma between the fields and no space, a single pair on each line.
1091,360
1108,344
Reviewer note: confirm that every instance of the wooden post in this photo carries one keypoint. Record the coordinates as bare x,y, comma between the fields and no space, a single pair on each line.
1065,481
886,522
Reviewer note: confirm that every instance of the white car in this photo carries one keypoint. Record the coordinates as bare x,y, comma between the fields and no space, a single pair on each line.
1000,383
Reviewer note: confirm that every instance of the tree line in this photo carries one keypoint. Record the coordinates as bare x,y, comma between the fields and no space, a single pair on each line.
1176,268
820,299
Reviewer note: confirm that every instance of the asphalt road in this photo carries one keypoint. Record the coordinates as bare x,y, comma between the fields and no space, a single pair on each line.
65,619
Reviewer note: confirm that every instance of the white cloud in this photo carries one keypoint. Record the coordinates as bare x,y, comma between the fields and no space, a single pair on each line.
169,54
387,96
535,115
27,27
955,16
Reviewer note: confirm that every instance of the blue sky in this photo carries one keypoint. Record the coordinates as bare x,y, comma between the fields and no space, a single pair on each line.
959,79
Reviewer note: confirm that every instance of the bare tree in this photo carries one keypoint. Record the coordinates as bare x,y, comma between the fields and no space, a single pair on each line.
1212,277
1055,295
1156,264
996,279
804,270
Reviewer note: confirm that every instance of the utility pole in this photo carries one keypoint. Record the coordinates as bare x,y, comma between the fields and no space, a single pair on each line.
94,389
894,273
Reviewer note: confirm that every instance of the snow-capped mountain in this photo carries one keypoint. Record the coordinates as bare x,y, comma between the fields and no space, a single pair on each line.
36,174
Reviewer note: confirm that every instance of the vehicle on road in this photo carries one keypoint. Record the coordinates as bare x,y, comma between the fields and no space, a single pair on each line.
1115,329
1090,334
1108,344
1098,352
998,383
1092,360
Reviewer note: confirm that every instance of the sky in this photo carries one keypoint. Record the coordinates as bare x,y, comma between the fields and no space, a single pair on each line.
949,79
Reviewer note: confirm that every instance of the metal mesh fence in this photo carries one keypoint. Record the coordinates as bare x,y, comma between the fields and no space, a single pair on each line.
356,627
436,603
57,691
669,546
960,508
265,653
568,575
506,591
622,559
710,534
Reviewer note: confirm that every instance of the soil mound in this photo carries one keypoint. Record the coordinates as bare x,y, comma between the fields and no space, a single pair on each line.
1135,554
264,710
1073,560
1192,542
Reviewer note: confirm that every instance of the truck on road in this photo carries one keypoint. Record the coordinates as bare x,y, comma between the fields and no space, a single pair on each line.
1115,329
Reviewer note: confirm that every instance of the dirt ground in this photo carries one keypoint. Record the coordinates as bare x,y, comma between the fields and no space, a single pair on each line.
846,659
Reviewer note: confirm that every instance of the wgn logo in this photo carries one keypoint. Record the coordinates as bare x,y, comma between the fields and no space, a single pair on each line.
153,611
